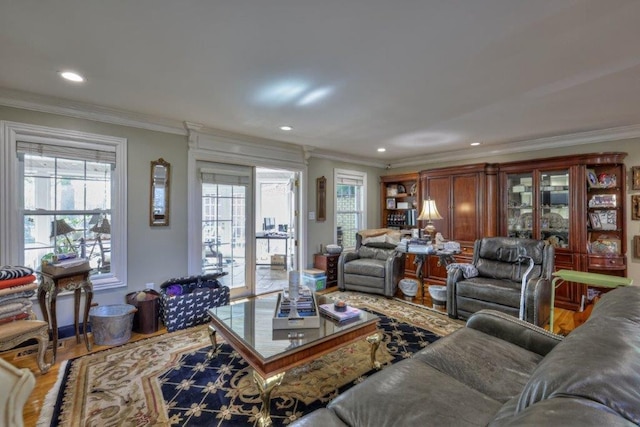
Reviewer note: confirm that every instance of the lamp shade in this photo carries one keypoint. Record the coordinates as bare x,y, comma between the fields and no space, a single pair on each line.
60,227
103,228
429,211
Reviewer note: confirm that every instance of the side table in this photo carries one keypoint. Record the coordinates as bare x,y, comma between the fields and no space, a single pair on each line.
590,279
50,287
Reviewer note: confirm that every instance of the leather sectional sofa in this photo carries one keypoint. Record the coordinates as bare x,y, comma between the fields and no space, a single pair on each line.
500,371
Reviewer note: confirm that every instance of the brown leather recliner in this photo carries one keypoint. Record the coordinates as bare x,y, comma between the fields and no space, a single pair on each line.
501,263
374,268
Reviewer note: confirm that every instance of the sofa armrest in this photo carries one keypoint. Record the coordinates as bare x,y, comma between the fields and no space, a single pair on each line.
394,266
454,275
515,331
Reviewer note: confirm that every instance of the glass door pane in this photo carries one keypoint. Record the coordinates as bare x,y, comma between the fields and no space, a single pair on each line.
520,205
554,207
223,232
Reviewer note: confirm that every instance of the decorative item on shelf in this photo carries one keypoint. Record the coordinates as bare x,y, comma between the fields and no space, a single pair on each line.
606,247
429,213
60,227
401,189
603,201
592,178
391,203
412,189
392,190
635,178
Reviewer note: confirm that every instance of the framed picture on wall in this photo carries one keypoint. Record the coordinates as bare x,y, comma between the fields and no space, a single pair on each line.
635,178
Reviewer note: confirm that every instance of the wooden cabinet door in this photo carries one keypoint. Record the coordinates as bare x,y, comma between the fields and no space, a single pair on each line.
438,189
465,194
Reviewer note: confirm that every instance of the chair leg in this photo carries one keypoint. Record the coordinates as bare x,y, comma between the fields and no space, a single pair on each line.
43,343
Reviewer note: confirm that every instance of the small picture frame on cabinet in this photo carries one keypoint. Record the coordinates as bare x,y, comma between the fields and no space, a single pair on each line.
391,203
594,218
636,246
635,178
392,191
592,178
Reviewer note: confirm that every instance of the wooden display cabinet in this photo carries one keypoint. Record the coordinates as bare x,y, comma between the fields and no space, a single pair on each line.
557,200
399,196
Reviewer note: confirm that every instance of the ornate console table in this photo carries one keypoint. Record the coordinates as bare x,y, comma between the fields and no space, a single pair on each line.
50,286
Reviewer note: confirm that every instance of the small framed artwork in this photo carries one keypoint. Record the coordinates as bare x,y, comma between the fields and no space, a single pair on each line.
592,178
594,218
392,191
635,207
635,178
391,203
636,246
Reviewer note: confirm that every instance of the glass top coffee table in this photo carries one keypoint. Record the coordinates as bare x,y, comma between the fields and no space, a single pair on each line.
247,326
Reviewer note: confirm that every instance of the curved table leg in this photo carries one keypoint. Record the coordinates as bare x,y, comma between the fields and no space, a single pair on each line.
88,297
76,313
214,342
266,386
53,296
375,340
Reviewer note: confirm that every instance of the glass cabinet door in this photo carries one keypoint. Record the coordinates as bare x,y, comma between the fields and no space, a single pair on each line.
520,205
553,209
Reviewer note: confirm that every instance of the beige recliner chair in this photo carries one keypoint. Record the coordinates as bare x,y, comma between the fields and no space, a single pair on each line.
373,267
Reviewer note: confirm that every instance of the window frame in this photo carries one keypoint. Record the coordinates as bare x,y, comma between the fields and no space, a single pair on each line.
12,215
338,175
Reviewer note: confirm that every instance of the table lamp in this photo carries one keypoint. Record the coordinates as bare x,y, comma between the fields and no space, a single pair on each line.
60,227
429,213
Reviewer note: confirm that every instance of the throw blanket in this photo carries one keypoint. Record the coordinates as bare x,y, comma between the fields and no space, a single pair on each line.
12,272
468,270
15,306
21,288
23,280
19,294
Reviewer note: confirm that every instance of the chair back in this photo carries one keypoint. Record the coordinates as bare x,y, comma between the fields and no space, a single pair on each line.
502,258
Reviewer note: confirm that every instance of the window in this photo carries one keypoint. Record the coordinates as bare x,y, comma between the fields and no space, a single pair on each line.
350,202
66,198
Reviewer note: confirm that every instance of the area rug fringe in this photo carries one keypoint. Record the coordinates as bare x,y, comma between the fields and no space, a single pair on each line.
46,412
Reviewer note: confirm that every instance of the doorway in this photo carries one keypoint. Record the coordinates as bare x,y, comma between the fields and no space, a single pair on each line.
276,251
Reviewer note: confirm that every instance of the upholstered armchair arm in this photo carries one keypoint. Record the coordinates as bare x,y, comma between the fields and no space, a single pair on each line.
394,266
538,301
514,330
454,275
344,258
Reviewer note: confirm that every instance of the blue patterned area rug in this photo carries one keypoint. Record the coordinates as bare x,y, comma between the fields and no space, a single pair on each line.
168,379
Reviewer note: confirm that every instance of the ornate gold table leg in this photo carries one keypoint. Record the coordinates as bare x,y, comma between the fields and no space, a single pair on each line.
375,340
266,386
214,342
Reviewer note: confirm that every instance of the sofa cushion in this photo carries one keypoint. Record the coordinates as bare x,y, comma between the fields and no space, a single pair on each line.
498,291
365,267
599,361
374,253
560,411
412,393
500,373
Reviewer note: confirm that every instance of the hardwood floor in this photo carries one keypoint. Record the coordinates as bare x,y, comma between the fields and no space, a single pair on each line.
69,349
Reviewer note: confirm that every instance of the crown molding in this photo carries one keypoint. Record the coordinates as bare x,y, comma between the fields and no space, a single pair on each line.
341,157
530,145
81,110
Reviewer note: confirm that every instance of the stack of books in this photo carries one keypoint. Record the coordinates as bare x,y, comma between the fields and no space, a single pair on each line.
339,316
305,304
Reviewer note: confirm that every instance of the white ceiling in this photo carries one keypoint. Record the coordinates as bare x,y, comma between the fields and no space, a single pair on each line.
416,77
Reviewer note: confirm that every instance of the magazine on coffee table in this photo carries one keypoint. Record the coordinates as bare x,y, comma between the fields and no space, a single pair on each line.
340,316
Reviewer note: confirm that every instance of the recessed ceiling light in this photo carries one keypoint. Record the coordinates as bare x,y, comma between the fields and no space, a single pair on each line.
286,128
475,143
72,76
381,150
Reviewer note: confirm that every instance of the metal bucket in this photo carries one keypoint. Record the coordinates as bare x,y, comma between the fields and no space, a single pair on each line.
111,324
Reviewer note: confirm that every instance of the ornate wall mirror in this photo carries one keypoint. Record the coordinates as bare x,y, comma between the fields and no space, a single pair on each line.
160,192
